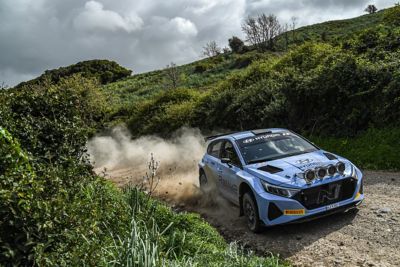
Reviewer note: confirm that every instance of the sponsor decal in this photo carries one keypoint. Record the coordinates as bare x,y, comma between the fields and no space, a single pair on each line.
304,161
294,212
332,206
263,137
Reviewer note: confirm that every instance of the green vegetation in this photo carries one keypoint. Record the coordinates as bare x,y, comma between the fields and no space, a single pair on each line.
339,87
54,211
104,70
375,149
343,91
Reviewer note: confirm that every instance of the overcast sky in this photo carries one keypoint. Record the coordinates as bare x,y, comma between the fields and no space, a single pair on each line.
142,35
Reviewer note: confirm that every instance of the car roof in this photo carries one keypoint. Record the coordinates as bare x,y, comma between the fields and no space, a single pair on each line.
246,134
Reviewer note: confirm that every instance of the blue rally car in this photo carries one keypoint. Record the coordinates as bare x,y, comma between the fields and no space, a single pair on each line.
276,176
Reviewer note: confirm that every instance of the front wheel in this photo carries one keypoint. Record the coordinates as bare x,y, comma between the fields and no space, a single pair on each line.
251,213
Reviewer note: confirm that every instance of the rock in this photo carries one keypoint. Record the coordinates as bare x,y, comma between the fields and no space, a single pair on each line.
384,210
337,261
299,237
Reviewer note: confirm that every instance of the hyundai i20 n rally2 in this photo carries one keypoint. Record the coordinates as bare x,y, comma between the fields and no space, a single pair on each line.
276,177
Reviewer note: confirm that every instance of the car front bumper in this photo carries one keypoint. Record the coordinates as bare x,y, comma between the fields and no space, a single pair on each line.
275,210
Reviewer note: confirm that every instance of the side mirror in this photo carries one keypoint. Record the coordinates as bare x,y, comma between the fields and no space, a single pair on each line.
226,160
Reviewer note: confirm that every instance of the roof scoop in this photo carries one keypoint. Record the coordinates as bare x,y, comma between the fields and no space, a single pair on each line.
330,156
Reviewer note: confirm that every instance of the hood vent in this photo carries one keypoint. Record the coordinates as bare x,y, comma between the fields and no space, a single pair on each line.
270,169
330,156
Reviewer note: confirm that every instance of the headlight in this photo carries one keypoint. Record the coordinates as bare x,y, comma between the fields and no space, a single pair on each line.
331,170
321,172
309,176
279,191
341,167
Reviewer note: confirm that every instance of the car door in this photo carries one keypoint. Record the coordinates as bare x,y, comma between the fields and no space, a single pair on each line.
228,179
212,162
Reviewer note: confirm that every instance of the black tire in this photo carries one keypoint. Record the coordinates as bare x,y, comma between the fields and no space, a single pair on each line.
250,210
203,180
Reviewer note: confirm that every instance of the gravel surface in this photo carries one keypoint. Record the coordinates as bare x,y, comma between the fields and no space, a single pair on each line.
369,236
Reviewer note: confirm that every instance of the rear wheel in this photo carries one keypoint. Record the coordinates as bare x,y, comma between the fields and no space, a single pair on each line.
203,180
250,210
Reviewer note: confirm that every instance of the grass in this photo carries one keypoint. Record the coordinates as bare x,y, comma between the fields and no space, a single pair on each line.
157,236
375,149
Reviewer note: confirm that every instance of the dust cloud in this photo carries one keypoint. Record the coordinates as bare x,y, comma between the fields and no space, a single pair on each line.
125,160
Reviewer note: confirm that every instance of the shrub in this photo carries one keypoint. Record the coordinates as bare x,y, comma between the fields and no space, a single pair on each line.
53,121
104,70
165,113
18,193
236,44
375,149
392,16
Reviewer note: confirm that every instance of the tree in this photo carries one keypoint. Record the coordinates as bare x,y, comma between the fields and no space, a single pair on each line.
262,30
226,50
293,27
286,35
236,44
371,9
3,85
211,49
172,76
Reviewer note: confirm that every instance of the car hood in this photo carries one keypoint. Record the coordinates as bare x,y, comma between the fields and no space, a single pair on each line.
289,171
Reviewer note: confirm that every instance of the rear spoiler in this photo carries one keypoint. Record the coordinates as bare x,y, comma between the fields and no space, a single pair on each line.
211,137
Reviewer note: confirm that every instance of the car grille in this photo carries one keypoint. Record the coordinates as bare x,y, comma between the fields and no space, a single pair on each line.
326,194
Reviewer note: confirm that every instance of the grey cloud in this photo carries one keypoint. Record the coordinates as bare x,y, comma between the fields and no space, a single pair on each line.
142,35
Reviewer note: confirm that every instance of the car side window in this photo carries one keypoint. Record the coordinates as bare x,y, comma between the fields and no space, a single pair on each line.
228,151
214,149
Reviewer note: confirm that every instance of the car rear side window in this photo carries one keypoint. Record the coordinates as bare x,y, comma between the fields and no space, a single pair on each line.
214,148
228,151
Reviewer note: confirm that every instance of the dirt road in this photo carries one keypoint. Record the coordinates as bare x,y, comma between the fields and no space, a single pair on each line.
369,237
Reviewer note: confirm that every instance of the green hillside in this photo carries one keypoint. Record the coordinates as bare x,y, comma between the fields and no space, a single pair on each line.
343,92
338,30
338,87
216,69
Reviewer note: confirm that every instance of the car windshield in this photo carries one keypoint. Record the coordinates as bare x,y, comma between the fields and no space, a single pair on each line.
273,146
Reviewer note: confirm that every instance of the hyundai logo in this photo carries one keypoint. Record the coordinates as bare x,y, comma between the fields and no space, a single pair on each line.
304,161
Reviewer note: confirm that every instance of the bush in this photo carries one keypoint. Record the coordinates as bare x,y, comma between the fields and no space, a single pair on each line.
18,193
53,121
104,70
236,44
164,114
45,211
202,67
375,149
392,16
